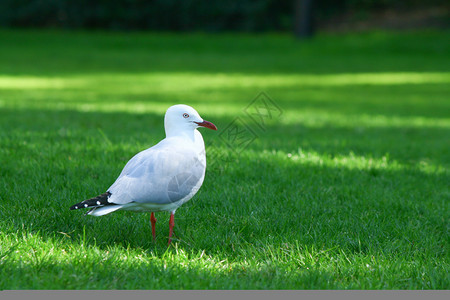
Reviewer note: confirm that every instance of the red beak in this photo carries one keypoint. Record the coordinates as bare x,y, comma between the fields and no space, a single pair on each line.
207,125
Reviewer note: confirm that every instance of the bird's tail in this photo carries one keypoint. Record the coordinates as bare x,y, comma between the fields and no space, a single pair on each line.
94,203
100,211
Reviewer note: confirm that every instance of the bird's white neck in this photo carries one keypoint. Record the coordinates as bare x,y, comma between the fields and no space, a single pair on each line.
188,133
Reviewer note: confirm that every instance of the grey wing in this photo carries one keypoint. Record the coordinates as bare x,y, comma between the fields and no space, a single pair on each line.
134,162
158,176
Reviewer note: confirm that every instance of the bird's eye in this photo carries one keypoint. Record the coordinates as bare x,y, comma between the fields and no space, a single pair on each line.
185,115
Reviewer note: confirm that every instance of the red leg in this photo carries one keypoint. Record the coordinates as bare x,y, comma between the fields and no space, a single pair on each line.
171,223
153,221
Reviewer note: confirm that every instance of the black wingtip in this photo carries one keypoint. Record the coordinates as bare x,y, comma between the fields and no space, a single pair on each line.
100,200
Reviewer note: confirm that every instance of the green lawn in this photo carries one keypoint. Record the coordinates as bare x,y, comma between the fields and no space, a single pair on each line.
345,186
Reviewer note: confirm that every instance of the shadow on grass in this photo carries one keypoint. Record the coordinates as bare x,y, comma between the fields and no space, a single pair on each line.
372,137
56,53
408,100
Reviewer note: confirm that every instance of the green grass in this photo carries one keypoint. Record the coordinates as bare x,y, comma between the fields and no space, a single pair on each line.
347,189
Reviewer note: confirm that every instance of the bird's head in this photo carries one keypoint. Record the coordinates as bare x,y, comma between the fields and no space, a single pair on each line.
182,117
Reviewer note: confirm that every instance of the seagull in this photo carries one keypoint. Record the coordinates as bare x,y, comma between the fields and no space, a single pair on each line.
160,178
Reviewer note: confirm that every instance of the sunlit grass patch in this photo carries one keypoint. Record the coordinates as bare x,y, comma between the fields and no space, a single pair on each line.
195,81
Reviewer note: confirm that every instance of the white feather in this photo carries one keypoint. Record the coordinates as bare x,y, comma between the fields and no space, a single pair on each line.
100,211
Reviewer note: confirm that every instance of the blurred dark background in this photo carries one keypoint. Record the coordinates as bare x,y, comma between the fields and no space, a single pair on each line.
223,15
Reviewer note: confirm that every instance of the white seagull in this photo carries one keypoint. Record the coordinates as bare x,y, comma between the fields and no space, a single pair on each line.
162,177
